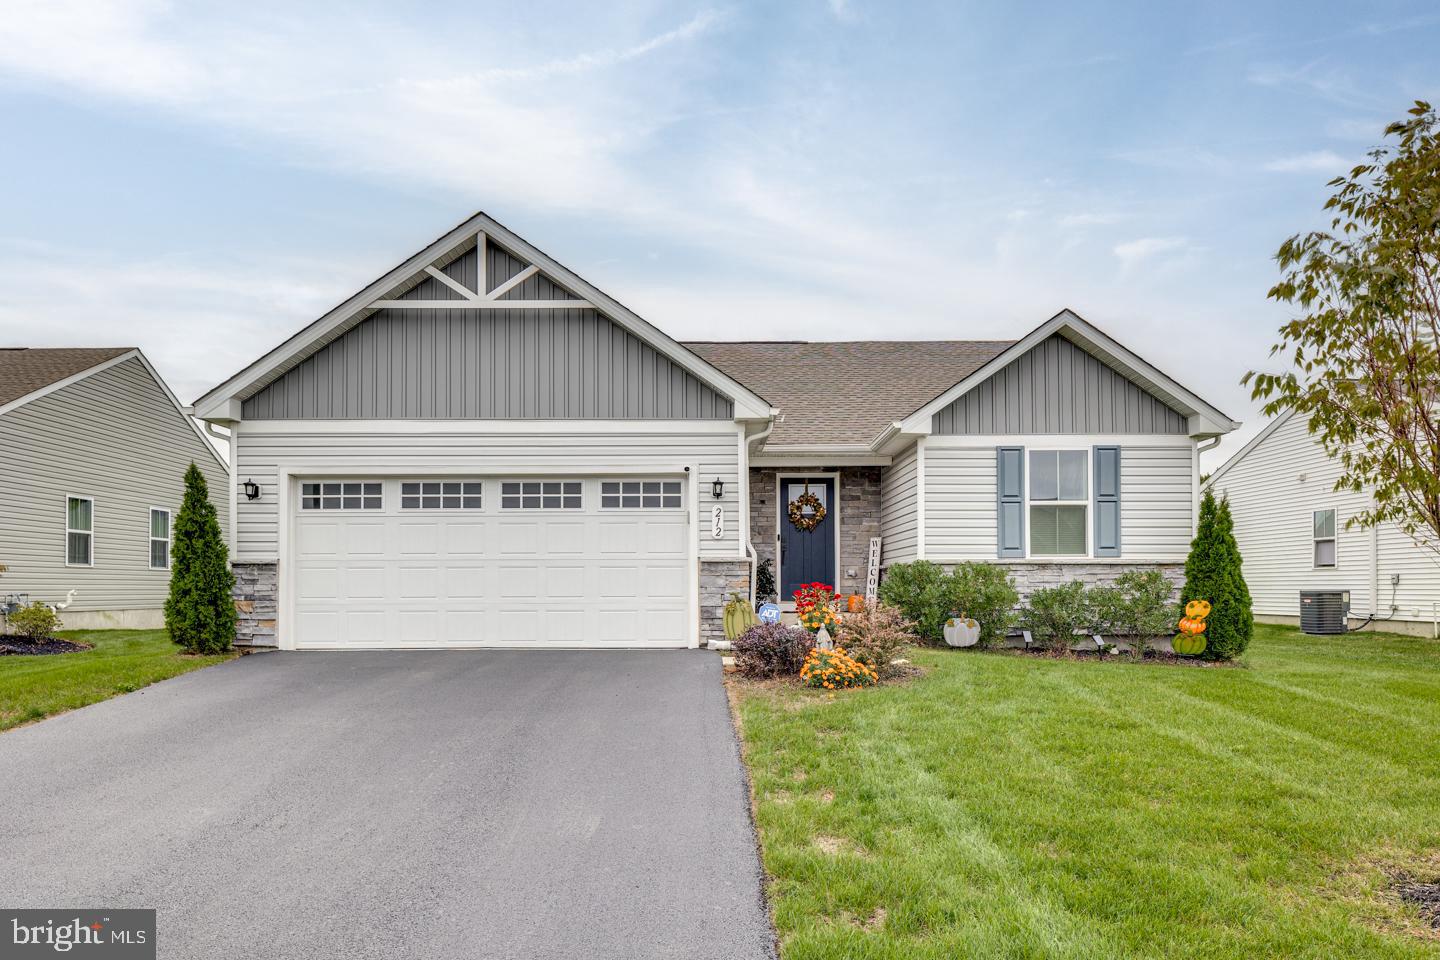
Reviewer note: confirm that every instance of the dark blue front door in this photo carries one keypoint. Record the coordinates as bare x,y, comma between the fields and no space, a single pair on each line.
806,555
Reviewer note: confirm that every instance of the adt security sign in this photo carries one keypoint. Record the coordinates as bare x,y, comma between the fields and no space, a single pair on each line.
768,613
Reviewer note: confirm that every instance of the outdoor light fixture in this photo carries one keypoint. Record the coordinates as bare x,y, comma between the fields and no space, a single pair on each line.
717,488
252,490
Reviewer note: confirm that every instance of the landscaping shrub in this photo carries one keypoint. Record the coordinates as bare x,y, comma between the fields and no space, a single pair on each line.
1055,613
35,622
874,634
835,670
764,581
927,595
1213,572
200,613
1136,607
984,592
772,650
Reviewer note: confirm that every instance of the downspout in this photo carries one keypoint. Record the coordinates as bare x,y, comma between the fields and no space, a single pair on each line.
231,438
1200,448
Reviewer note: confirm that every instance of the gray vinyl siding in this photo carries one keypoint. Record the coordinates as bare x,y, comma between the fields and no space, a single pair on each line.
712,452
1156,499
114,437
1057,388
488,364
899,503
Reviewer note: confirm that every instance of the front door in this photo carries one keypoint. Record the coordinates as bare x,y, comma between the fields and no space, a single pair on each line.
806,555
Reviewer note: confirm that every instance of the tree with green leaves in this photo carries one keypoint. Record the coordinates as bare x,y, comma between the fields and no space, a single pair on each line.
1364,367
200,613
1213,572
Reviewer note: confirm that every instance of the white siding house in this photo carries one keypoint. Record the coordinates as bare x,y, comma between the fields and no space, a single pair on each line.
1291,526
483,449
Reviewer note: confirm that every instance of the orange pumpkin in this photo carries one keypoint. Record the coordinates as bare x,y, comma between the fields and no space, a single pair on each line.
1192,625
854,602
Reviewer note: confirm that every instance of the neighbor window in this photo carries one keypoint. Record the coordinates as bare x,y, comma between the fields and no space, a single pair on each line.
440,495
340,495
159,539
1324,534
540,495
648,494
1059,502
79,531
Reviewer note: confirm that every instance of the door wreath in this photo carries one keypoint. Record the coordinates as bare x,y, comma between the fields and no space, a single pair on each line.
806,501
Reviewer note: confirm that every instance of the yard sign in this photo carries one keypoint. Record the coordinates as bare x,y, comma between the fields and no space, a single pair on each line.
872,572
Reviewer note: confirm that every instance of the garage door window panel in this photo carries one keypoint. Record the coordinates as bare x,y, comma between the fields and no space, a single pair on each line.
541,495
441,495
341,495
641,495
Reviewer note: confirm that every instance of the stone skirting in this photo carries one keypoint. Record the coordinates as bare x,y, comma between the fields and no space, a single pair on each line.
257,598
719,579
1033,576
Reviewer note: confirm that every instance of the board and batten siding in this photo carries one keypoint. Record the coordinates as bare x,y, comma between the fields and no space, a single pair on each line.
114,437
488,364
1274,491
1156,495
1053,388
710,449
899,500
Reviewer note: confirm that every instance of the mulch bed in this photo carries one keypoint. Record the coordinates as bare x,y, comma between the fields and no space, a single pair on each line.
18,647
1157,657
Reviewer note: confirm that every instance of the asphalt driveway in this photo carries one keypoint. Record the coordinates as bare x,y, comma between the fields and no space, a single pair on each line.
399,804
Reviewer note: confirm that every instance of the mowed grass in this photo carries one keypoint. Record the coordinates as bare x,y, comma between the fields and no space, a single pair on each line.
123,660
1004,806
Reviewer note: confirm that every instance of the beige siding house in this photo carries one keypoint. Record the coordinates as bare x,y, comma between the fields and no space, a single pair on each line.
1290,523
93,452
481,448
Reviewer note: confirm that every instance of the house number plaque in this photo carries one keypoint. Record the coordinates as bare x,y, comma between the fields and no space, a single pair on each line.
717,523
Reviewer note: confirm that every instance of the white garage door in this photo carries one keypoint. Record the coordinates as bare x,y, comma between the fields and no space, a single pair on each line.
398,562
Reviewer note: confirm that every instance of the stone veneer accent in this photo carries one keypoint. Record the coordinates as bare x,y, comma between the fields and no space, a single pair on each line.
1033,576
257,596
719,579
859,518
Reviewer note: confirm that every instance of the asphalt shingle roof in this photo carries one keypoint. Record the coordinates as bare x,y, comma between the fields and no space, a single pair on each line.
847,392
26,369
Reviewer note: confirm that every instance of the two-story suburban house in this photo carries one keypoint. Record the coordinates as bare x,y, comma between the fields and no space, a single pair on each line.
93,453
482,448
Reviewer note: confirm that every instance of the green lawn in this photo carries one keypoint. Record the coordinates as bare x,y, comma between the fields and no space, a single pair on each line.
123,660
1004,806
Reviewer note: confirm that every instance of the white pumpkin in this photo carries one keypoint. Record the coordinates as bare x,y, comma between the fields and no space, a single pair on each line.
962,632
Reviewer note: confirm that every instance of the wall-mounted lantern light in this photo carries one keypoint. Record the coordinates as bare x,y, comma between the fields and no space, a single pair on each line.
717,489
252,490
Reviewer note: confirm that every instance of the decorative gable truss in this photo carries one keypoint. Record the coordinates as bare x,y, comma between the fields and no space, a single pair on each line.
479,265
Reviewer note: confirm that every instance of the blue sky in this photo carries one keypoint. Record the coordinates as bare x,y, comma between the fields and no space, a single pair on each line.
203,179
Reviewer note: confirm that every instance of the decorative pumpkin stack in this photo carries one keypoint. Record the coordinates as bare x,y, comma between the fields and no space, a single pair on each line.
1191,640
739,616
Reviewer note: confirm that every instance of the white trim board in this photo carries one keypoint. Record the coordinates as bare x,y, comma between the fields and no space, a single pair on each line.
334,427
477,231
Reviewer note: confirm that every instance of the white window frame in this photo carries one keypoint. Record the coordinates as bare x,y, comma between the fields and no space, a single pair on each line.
677,482
581,495
463,481
1088,503
69,530
169,538
1333,538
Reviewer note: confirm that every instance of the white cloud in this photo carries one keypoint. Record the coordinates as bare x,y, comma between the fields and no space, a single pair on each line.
842,10
1132,253
1097,218
1322,161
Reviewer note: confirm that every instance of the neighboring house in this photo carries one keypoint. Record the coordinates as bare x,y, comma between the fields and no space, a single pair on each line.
93,453
1290,524
482,448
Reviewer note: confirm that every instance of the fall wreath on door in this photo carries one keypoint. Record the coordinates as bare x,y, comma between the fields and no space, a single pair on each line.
806,511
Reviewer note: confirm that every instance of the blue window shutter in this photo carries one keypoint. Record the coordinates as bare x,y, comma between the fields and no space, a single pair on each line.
1010,488
1107,501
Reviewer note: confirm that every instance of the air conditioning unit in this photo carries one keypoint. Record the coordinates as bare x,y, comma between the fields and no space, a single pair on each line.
1324,611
